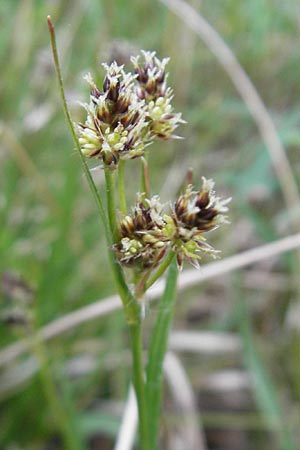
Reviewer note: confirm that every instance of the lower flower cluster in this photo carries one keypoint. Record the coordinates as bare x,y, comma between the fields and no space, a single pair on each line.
150,231
143,241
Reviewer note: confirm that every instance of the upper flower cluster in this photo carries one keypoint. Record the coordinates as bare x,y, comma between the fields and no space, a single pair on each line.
153,89
128,112
149,231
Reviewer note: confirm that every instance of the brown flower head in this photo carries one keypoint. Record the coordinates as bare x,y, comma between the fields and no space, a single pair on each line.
152,88
151,76
128,112
195,213
115,126
142,242
148,232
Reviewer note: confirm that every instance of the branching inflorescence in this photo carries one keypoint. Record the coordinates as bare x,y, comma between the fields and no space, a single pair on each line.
123,119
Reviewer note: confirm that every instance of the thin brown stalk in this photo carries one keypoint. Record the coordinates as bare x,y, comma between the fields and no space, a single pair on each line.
251,98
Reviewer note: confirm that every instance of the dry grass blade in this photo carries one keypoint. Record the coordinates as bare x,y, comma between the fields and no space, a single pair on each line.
188,279
192,277
127,432
205,342
184,398
250,96
182,392
196,342
63,324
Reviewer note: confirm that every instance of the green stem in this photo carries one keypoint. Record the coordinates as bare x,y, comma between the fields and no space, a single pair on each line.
72,130
111,203
121,180
157,351
145,181
161,269
139,383
130,307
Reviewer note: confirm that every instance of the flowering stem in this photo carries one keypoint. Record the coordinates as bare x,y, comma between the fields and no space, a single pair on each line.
157,351
145,181
131,312
161,269
131,307
111,203
122,196
139,383
72,129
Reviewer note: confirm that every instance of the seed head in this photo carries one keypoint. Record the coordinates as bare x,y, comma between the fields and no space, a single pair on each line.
115,126
194,213
128,112
200,209
142,242
149,231
151,76
152,88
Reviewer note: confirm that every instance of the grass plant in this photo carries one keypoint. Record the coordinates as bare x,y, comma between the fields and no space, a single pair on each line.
54,241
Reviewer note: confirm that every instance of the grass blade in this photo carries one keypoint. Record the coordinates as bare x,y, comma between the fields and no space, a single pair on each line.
157,351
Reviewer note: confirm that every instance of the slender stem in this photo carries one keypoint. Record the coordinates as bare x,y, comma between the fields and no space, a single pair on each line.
72,130
130,307
111,203
161,269
122,196
145,180
157,351
139,382
71,441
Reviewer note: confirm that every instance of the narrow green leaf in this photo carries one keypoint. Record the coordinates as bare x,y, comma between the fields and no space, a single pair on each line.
157,350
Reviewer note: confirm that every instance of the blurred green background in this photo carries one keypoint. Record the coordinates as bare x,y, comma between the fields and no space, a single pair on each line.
53,256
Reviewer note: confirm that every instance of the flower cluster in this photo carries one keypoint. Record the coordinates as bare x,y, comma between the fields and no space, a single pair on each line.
152,88
129,112
123,118
194,213
149,231
142,242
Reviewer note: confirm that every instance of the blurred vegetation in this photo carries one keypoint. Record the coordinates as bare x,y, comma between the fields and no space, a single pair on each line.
51,238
